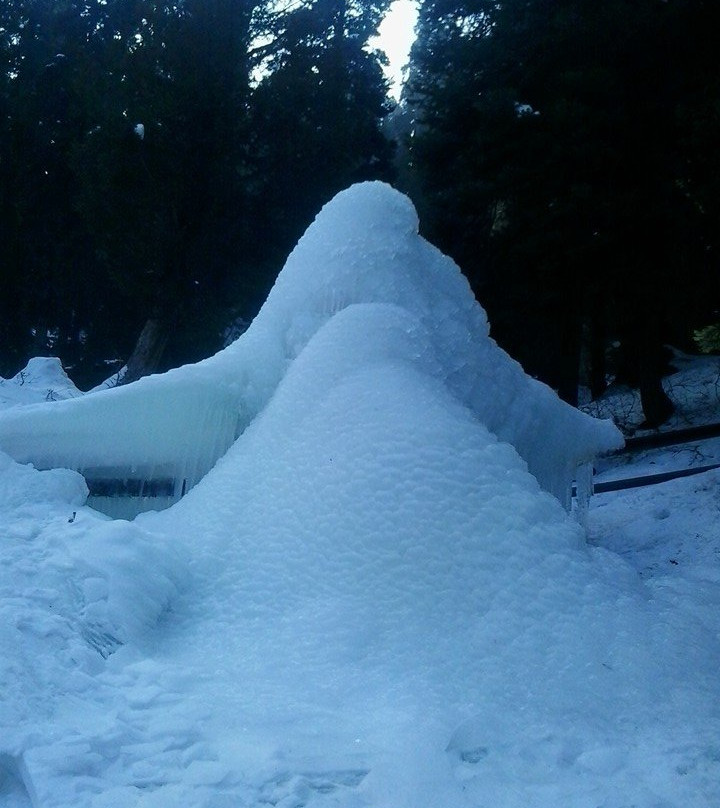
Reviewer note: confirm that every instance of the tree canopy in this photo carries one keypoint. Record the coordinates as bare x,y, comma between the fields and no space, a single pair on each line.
158,160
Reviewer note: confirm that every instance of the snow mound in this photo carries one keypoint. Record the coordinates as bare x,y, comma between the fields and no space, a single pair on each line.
381,587
363,247
22,485
42,379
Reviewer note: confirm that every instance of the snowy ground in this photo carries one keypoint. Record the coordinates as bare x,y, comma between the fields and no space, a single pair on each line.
369,601
694,387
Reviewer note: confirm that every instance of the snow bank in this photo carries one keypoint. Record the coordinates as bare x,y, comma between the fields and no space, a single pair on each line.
363,247
20,485
121,578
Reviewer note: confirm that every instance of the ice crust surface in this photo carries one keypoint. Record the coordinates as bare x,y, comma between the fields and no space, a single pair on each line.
368,600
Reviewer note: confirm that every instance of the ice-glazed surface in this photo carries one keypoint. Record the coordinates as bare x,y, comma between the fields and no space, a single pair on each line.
363,247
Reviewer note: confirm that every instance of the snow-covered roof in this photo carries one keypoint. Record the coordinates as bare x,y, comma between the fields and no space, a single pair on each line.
363,249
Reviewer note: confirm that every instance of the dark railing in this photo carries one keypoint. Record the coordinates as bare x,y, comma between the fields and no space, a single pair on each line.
659,439
649,479
656,441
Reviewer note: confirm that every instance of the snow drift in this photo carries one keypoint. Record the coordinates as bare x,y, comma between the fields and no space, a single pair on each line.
363,247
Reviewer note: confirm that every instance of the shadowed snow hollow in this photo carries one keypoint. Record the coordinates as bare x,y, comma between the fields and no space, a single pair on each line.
363,247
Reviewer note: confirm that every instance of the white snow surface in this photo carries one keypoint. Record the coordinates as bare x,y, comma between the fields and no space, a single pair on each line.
363,248
367,601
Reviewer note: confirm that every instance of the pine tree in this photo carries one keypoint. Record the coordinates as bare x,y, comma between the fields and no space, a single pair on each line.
163,170
317,112
47,298
159,159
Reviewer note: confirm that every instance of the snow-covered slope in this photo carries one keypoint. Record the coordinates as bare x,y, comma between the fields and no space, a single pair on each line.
363,247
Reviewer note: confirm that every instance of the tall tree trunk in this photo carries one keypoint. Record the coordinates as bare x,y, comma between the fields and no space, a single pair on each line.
569,375
597,372
567,371
656,404
646,351
148,350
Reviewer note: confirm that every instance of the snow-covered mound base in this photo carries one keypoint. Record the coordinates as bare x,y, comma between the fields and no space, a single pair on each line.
369,600
693,387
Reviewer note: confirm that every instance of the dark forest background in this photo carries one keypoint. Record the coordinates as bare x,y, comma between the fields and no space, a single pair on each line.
159,160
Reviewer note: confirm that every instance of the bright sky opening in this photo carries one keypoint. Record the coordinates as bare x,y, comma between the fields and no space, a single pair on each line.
396,35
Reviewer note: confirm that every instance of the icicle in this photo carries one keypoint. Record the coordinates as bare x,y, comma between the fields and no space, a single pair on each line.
583,492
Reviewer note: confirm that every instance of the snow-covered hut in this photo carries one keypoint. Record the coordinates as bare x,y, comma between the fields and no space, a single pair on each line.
143,445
